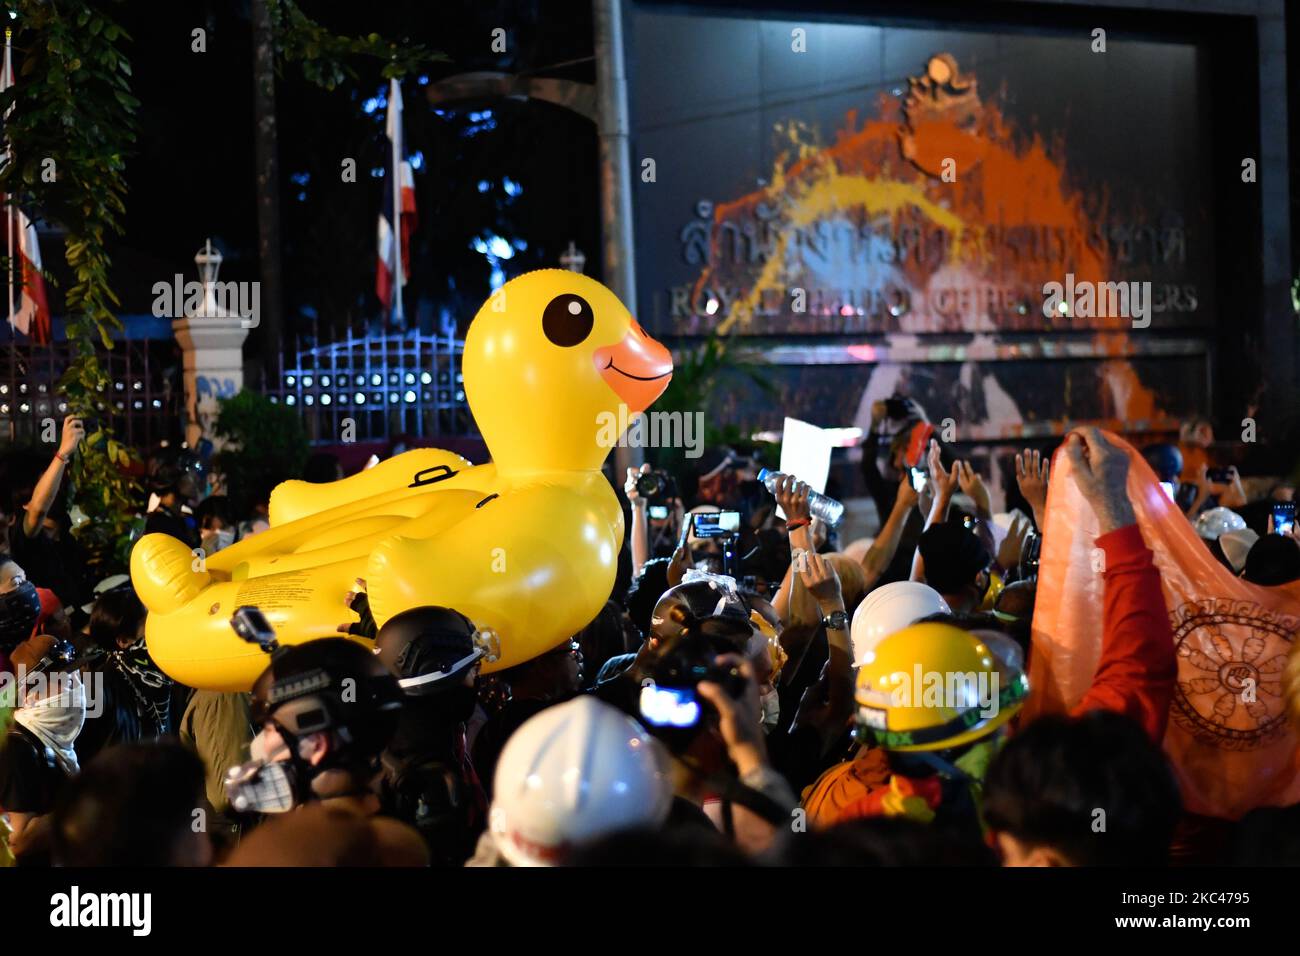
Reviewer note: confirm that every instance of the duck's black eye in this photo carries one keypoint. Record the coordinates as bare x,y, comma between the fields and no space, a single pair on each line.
567,320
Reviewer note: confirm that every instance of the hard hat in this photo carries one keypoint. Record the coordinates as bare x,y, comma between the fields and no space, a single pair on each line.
429,648
331,684
1216,521
1236,546
1165,460
706,597
572,773
996,585
890,608
935,686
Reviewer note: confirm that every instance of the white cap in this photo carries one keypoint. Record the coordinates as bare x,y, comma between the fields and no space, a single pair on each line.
890,608
572,773
1218,521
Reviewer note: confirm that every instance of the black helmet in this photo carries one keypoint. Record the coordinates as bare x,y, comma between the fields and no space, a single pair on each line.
333,685
1165,460
426,647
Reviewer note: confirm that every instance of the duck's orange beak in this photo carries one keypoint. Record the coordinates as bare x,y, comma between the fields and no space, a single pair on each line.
638,368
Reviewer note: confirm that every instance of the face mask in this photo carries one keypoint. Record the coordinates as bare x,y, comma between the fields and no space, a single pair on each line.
18,612
214,541
263,784
771,703
261,788
57,717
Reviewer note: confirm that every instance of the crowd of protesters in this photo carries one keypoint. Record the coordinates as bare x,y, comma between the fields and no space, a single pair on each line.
736,701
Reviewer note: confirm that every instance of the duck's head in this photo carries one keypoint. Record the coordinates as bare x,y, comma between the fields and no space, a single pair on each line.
549,360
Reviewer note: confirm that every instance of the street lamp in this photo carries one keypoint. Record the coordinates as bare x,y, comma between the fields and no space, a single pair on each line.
209,262
573,259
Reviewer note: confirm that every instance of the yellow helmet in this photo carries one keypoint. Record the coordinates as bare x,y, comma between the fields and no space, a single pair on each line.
935,686
996,585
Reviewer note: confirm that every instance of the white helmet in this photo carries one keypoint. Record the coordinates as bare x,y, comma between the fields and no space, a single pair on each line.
574,772
1236,545
1217,521
890,608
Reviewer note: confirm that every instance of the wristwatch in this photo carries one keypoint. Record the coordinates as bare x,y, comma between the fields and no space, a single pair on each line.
836,621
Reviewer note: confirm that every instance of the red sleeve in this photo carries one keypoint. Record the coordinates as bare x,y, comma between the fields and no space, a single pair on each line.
1138,667
50,605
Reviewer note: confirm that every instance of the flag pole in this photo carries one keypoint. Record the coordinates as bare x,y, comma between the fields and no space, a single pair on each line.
394,112
9,205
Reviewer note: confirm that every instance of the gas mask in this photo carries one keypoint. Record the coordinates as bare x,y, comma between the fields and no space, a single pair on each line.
268,783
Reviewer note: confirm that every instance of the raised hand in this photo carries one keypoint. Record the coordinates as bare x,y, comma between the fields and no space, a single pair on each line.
792,496
629,484
942,483
74,431
972,485
1031,477
822,583
907,495
1100,470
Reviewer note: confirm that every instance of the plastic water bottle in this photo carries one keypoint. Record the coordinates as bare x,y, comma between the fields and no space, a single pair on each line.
828,509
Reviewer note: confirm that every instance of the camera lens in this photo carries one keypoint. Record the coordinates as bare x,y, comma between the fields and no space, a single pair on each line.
649,485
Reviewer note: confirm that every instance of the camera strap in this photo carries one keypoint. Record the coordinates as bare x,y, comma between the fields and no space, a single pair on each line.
730,790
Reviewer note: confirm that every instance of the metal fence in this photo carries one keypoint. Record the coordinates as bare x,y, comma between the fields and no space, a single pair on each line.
143,402
377,387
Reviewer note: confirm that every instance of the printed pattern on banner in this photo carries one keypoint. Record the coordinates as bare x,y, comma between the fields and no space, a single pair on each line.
1229,738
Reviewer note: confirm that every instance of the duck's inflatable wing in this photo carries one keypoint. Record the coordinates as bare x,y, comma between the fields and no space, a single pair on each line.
536,565
292,500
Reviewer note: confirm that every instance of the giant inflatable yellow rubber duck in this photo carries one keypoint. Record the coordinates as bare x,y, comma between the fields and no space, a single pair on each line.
526,545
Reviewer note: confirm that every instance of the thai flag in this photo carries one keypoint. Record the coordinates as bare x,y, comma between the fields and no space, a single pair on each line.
31,316
398,217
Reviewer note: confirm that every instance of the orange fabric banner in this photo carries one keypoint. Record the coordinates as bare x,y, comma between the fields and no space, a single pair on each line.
1229,738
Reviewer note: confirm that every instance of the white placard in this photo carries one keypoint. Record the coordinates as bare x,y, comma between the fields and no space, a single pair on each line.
806,454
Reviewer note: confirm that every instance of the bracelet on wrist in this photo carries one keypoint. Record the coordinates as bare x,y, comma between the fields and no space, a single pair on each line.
796,524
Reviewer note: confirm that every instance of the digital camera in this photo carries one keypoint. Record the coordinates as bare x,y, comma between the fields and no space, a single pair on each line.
669,703
656,484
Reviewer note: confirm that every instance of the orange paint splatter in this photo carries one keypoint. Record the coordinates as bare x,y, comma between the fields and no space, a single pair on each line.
1004,189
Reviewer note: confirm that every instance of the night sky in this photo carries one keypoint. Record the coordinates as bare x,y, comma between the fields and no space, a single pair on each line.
525,172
